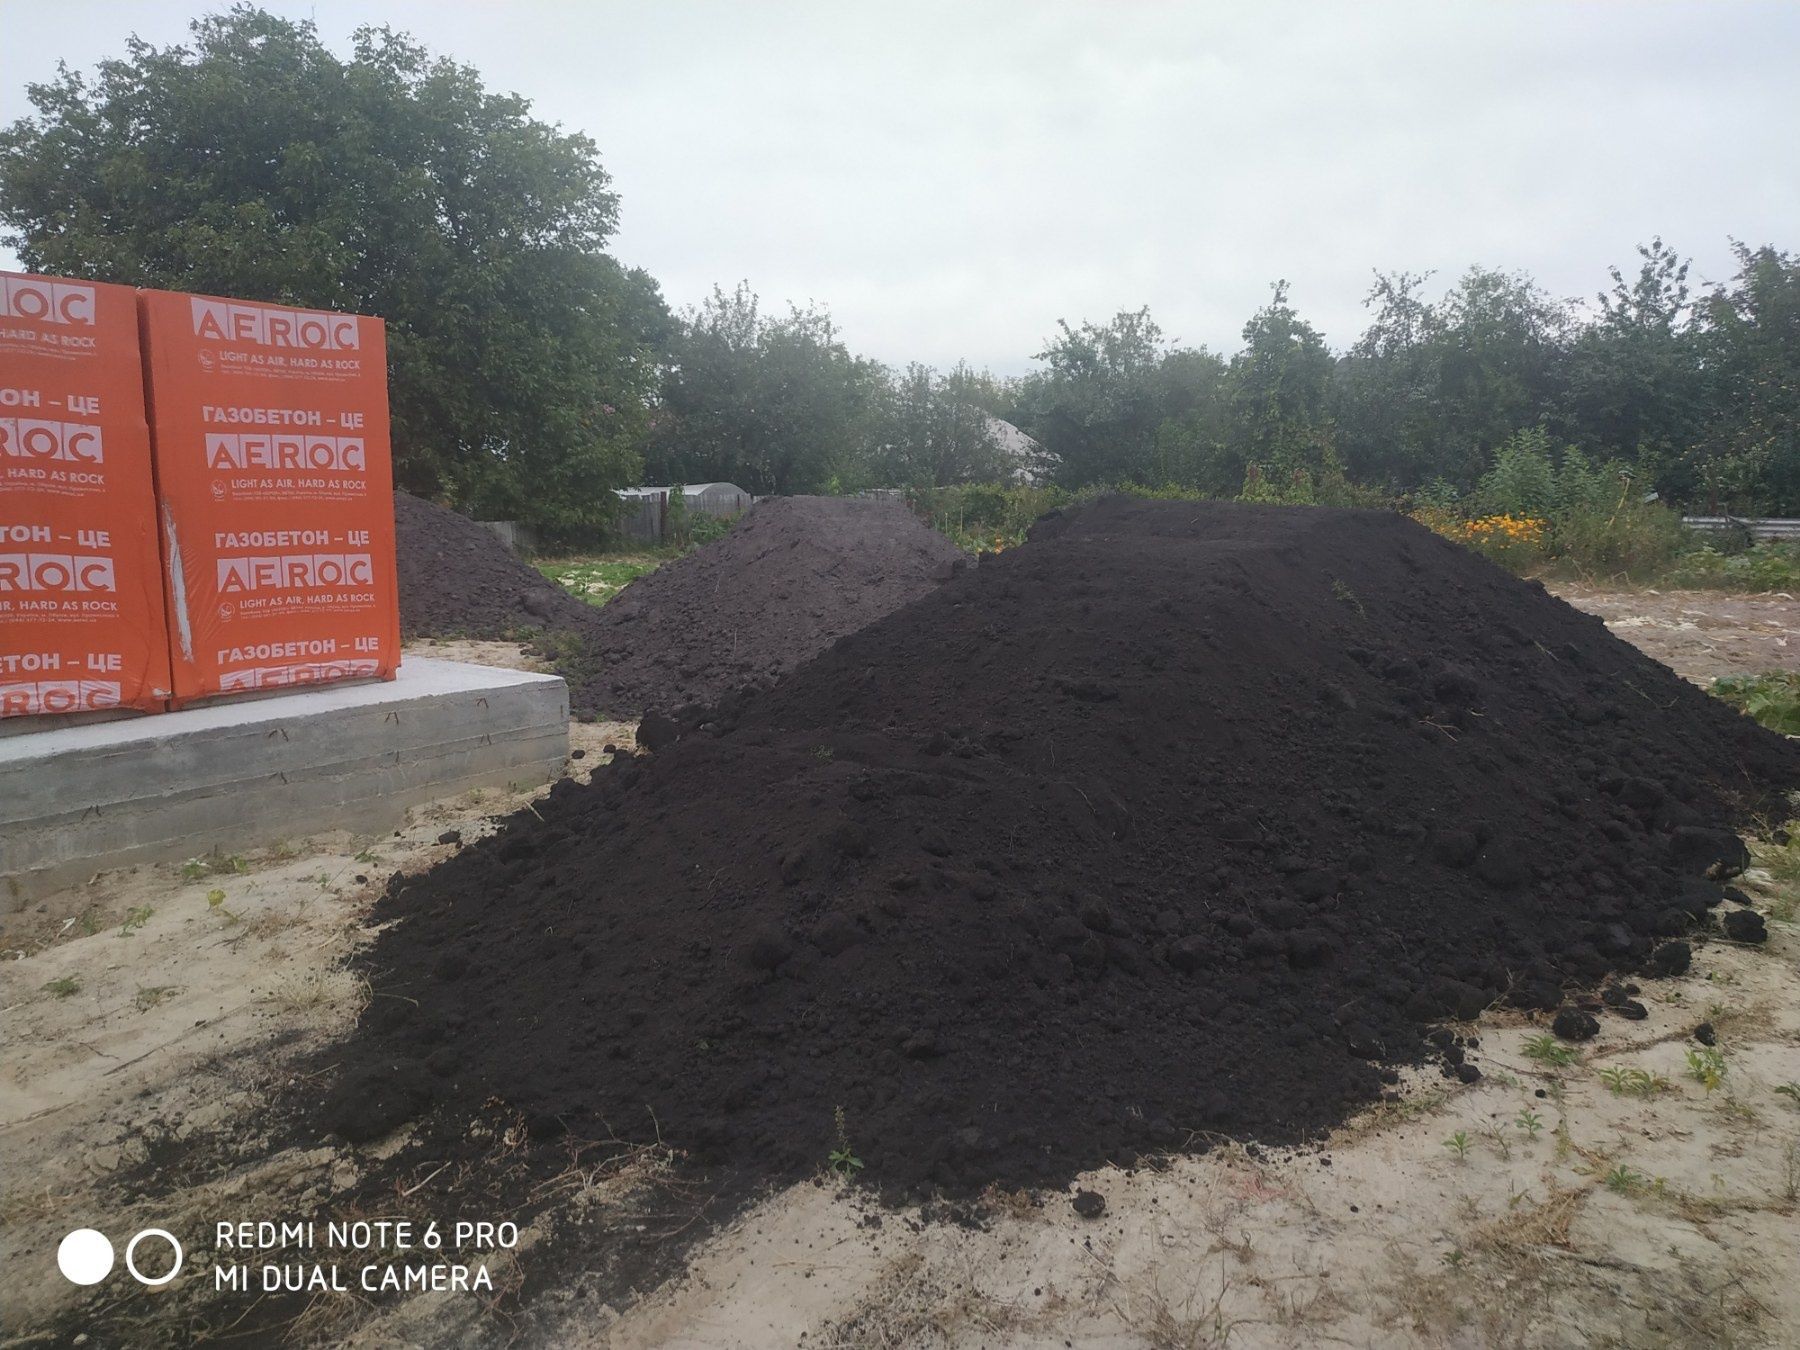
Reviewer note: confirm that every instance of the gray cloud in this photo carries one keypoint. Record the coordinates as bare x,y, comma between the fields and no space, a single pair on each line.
952,179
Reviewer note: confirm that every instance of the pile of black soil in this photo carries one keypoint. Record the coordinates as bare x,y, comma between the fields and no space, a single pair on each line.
791,577
457,579
1176,821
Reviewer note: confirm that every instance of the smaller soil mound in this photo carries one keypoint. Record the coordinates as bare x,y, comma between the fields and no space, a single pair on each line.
458,580
792,577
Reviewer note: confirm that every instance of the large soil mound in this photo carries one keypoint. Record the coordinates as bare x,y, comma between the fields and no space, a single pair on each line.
458,580
793,576
1176,820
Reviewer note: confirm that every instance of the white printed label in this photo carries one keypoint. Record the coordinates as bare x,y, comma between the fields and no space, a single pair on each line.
50,442
42,301
263,326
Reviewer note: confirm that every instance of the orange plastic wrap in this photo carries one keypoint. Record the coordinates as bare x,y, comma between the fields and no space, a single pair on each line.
275,493
81,599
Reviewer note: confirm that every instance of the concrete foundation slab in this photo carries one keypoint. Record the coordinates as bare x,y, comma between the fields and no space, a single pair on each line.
77,799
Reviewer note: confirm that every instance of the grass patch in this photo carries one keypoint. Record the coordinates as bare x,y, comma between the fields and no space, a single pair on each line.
598,579
214,864
1765,566
1772,698
1779,855
65,987
1546,1049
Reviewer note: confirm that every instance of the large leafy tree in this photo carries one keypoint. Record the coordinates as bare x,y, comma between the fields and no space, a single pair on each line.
255,162
1747,455
1101,402
936,429
1280,388
773,404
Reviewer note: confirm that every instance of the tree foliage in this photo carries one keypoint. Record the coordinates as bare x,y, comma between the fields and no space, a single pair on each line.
531,372
254,162
775,405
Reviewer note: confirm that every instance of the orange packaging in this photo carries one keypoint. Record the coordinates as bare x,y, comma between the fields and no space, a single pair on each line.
275,493
81,600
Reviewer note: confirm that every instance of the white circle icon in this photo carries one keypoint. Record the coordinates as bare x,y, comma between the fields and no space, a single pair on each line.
85,1256
131,1250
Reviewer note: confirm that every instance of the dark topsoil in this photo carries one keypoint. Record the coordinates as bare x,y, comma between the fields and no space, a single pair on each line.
791,577
458,580
1176,820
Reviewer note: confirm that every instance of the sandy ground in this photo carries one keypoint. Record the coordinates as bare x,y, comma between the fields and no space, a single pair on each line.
1700,635
151,1013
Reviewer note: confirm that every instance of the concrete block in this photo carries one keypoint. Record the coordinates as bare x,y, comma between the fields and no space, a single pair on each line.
77,799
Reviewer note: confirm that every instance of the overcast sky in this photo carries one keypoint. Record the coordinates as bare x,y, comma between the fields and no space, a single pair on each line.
950,180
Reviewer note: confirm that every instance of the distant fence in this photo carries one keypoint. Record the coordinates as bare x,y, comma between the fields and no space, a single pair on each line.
644,512
1758,529
645,518
519,538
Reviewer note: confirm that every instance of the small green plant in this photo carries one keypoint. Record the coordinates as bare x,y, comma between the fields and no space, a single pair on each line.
366,857
1530,1122
1458,1144
1346,596
215,900
1706,1066
842,1159
1778,854
1622,1180
1791,1091
1772,698
821,752
135,918
153,995
1632,1082
1546,1049
212,865
66,986
1497,1136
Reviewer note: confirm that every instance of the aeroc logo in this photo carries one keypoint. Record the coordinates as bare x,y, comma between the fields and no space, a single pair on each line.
46,301
262,326
282,451
65,442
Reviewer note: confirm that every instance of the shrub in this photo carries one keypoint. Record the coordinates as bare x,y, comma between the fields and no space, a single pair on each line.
1772,698
1535,507
984,517
1764,566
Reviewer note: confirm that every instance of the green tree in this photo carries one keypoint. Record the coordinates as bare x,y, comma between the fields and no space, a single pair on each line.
1100,404
1280,392
774,405
937,431
1634,387
1746,457
1384,397
254,162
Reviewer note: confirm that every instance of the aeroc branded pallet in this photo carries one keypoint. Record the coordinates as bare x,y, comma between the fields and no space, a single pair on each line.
275,493
81,598
196,498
